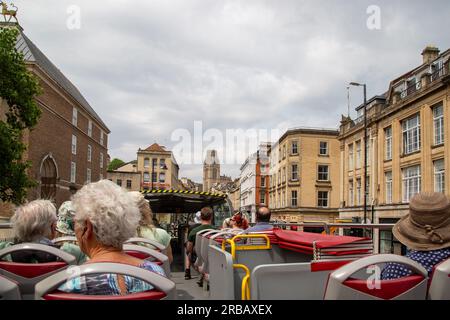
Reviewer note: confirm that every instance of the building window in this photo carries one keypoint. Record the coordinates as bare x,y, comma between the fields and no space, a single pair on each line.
89,153
411,182
101,137
263,181
368,151
279,176
146,177
294,147
119,182
358,191
128,184
154,177
90,128
358,154
101,160
262,197
411,134
88,176
74,144
284,174
284,199
75,116
294,173
350,157
367,194
322,199
388,143
146,162
162,163
162,177
284,151
323,149
438,118
439,176
388,184
73,172
350,193
294,198
323,173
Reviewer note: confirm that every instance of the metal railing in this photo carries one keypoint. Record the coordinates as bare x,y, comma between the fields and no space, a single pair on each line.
327,226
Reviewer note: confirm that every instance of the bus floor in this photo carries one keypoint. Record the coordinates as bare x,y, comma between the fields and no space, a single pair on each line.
188,289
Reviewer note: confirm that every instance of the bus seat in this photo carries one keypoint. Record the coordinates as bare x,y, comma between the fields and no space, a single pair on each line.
164,288
9,290
28,274
61,240
440,282
198,247
341,285
145,253
211,239
156,245
221,273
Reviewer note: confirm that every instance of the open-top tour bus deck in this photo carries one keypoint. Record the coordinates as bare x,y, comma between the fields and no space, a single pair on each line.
276,265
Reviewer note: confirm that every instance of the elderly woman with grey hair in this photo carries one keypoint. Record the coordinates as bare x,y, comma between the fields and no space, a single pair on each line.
105,217
36,222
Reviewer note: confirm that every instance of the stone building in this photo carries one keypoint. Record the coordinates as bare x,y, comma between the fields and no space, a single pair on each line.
408,150
304,176
69,145
126,176
158,168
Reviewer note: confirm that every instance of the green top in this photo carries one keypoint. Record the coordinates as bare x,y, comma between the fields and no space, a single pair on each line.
193,233
155,234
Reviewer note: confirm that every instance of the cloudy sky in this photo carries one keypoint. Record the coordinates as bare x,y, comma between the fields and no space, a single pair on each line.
152,68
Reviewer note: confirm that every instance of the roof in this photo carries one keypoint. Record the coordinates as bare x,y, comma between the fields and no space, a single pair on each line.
32,54
155,148
312,131
374,98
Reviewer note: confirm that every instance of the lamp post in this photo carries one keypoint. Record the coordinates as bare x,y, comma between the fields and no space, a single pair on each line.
365,145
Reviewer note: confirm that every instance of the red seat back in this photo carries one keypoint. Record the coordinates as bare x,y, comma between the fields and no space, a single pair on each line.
31,270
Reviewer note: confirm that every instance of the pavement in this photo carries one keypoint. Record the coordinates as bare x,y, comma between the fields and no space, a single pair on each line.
188,289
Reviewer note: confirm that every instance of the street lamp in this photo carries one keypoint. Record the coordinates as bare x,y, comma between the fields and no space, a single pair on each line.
356,84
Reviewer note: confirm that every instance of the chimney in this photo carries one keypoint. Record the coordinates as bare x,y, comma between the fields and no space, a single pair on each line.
429,54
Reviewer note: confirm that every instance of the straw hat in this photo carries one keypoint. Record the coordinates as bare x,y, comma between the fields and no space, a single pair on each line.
427,226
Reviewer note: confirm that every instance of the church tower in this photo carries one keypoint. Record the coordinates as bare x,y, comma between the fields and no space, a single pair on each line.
211,170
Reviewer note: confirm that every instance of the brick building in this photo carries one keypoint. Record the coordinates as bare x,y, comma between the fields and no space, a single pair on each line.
68,146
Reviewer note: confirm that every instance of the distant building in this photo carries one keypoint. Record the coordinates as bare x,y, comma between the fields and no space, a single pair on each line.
126,176
158,168
69,145
211,171
189,185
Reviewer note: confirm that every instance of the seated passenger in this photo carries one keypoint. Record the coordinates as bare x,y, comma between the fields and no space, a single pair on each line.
64,228
146,229
105,217
425,231
238,221
262,221
34,222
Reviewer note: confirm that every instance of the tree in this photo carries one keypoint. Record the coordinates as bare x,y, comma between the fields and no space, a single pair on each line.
18,88
115,163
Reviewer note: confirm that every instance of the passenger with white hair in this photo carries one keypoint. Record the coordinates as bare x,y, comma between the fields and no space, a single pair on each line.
105,217
146,228
36,222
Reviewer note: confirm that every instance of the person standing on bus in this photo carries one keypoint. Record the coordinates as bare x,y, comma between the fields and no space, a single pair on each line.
425,231
206,215
187,256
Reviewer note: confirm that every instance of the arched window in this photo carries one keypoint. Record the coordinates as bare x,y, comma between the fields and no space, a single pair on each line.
49,175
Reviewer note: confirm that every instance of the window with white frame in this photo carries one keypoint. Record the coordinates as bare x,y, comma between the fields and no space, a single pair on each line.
350,157
162,177
162,164
323,173
322,199
75,116
146,177
411,134
358,191
74,144
358,154
294,172
368,151
284,174
263,181
294,198
101,160
439,176
101,137
90,128
88,176
438,119
262,197
350,193
73,172
146,162
388,186
323,148
294,147
388,143
411,182
89,153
